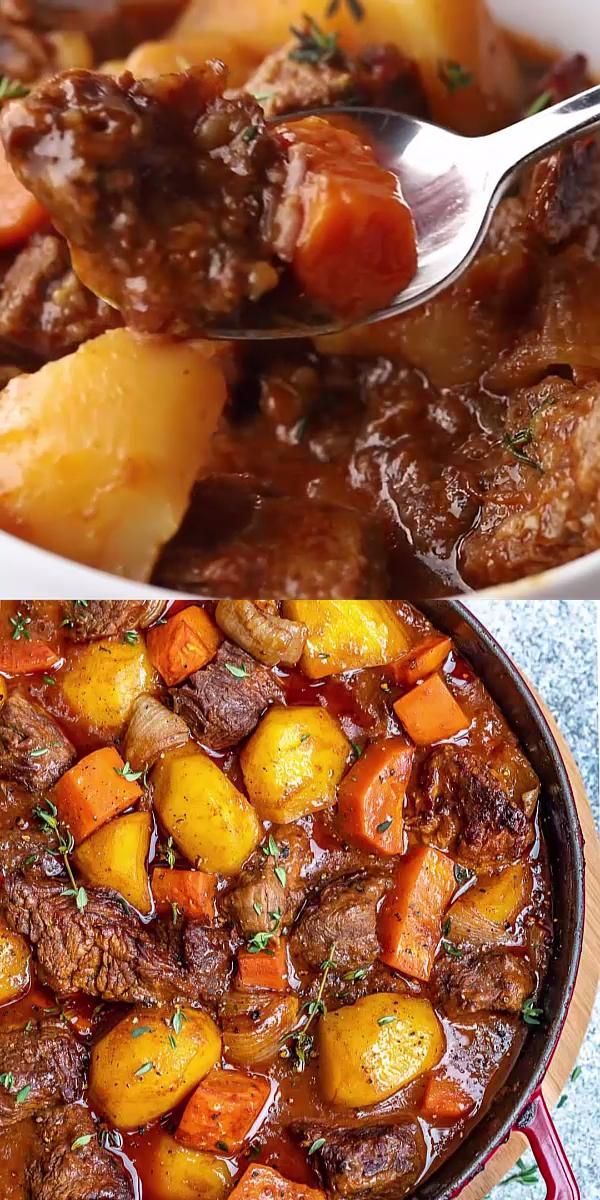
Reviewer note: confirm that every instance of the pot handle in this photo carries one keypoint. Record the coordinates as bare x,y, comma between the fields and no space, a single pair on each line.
536,1123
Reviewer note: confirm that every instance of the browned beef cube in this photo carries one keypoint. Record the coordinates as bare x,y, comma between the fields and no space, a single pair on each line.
47,1059
33,749
345,916
88,619
64,1168
258,891
368,1160
483,981
224,701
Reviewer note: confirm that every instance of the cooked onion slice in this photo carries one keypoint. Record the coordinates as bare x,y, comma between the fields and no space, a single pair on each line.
152,730
254,1024
257,628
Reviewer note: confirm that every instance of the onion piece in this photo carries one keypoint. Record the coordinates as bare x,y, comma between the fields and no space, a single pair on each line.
152,730
153,611
265,635
3,690
254,1025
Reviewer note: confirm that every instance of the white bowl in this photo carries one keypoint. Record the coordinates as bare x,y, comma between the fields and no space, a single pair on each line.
26,570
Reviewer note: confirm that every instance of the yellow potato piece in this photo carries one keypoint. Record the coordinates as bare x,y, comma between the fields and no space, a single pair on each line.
99,451
116,856
433,32
14,965
294,762
344,634
175,1172
486,913
178,54
136,1072
210,820
371,1049
101,681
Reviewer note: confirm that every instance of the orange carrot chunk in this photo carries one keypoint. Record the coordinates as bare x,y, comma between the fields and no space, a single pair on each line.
424,659
371,797
444,1101
429,712
93,792
263,1183
356,246
192,891
221,1112
20,213
19,658
266,969
183,644
410,920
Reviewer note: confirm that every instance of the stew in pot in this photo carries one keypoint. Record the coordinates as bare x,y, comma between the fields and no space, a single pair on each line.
274,910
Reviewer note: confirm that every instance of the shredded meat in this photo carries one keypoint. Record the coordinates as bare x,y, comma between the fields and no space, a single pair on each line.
164,189
103,951
220,707
258,892
345,916
88,1172
24,730
86,620
46,1058
461,807
366,1160
492,981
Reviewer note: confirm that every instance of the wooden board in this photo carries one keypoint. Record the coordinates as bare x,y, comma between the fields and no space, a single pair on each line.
585,991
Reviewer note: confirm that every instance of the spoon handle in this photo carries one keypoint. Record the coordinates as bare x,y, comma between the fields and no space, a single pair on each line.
535,136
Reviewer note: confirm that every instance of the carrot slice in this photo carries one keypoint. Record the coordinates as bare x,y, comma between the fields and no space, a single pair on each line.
410,919
185,643
20,213
429,712
445,1101
263,1183
267,969
93,792
424,659
192,891
371,797
22,657
356,247
222,1111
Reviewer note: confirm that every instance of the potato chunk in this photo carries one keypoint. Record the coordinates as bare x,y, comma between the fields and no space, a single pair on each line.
371,1049
169,56
181,1174
212,823
14,965
102,680
345,634
99,451
294,762
116,856
485,914
137,1074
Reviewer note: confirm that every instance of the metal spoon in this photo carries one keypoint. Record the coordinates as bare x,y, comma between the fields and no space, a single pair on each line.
452,185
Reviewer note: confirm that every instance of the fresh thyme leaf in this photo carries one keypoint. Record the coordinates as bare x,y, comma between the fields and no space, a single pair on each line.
525,1175
81,603
544,100
83,1140
7,1080
453,76
127,772
354,976
250,133
30,860
131,636
178,1020
313,44
317,1145
237,672
385,1020
39,753
514,442
21,1096
300,1042
175,912
575,1074
270,848
383,825
143,1070
257,906
451,949
358,750
110,1139
168,852
49,680
140,1030
12,89
531,1014
281,875
446,927
562,1100
81,898
259,942
19,627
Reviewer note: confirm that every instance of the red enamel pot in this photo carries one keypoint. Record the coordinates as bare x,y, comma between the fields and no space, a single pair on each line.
519,1104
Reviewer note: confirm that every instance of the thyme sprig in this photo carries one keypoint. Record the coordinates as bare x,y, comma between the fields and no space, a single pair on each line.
314,46
48,818
299,1043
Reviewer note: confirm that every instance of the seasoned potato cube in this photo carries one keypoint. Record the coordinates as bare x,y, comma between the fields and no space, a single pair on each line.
137,1073
485,914
177,54
102,680
99,451
371,1049
345,634
294,762
212,823
181,1174
14,965
116,856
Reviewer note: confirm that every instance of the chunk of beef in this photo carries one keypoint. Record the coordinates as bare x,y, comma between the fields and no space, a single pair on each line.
298,77
86,1172
564,190
281,547
258,892
103,951
366,1160
25,731
46,1058
208,959
493,980
164,189
86,620
461,807
341,990
27,848
44,309
221,707
345,916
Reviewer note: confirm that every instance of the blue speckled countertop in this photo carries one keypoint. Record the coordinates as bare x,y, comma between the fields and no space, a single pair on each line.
556,643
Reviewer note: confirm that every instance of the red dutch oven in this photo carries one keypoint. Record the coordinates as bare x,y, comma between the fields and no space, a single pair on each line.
519,1104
